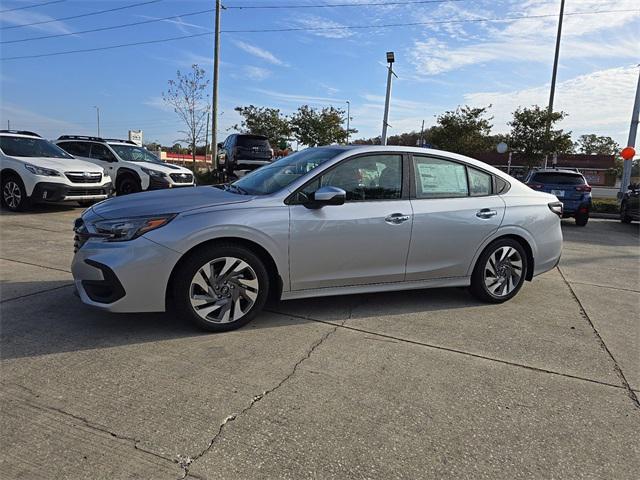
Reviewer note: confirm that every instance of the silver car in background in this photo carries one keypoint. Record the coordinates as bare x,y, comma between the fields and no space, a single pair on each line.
324,221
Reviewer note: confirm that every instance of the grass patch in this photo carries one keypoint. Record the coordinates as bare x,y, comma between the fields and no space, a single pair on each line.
605,205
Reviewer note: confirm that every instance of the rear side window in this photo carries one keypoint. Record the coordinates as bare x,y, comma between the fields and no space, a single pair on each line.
251,141
480,183
558,178
437,178
79,149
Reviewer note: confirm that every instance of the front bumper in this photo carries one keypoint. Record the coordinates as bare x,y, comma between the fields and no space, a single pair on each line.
123,276
162,183
59,192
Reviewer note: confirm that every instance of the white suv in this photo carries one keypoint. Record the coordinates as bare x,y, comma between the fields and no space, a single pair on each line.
134,168
34,170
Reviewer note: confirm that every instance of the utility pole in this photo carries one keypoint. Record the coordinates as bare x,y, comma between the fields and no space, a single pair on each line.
631,142
385,120
214,113
8,124
348,118
553,82
422,134
98,116
206,141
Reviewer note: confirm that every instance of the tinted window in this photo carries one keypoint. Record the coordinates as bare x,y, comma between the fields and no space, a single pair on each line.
101,152
437,178
480,183
558,178
252,141
30,147
80,149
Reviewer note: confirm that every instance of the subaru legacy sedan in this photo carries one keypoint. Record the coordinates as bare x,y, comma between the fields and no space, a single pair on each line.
324,221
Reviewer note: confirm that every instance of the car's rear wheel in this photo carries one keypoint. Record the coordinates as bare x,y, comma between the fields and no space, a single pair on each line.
582,218
14,195
221,287
499,272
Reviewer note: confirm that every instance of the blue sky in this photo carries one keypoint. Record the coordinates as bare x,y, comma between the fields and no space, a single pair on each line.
440,65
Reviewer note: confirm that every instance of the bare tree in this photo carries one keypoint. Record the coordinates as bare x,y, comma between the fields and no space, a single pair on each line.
186,94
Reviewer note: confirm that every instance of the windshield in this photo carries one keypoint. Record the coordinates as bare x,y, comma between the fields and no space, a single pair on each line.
31,147
132,153
271,178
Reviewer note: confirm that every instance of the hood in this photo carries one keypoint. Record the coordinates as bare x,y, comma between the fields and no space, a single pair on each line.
171,200
164,167
63,164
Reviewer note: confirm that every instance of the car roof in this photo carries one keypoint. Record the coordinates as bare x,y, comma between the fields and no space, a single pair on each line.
19,133
557,170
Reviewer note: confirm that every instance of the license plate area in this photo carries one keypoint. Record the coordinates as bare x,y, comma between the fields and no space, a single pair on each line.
558,193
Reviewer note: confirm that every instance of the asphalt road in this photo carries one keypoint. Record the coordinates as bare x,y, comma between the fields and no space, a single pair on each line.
420,384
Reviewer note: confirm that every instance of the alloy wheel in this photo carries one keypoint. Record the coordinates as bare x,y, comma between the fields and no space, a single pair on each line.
12,194
503,271
224,290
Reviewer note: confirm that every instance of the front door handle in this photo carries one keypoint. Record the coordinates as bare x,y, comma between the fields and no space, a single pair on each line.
397,218
486,213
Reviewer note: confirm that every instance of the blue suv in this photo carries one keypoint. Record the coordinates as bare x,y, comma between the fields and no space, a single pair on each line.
569,186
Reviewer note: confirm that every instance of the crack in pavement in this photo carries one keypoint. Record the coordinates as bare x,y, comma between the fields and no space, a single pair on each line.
35,265
630,392
37,293
186,462
602,286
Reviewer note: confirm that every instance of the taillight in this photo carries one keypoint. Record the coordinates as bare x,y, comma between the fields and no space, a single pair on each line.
583,188
556,207
535,186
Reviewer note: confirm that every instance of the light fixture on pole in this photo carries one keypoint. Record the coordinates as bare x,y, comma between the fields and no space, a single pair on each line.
98,117
348,118
385,120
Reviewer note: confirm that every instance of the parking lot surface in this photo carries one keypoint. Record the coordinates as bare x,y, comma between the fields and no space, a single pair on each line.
417,384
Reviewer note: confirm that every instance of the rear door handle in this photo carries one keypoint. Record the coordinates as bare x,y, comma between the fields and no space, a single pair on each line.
397,218
486,213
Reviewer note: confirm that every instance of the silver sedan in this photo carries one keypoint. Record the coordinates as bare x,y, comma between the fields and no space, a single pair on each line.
324,221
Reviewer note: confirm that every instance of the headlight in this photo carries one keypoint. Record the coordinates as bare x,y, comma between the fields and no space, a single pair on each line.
46,172
125,229
153,173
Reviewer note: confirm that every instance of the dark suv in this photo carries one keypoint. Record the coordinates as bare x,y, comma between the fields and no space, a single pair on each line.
569,186
630,205
241,151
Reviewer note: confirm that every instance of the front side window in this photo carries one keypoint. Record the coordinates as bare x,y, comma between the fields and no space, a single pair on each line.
79,149
131,153
30,147
101,152
437,178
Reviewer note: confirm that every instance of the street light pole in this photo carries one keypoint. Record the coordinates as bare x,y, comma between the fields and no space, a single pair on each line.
348,118
214,113
98,117
631,142
385,120
553,81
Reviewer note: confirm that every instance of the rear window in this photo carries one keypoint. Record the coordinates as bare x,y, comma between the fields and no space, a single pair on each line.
557,178
251,141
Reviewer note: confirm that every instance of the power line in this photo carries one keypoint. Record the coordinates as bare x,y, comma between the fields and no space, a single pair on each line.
32,6
114,27
346,27
337,5
99,12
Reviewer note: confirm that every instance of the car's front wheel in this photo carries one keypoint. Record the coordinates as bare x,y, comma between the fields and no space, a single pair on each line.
624,216
220,287
126,185
14,195
499,272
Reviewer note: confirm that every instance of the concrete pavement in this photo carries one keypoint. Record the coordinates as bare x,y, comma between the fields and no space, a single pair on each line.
402,385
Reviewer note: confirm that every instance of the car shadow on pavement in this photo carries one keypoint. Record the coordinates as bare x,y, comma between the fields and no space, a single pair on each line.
51,319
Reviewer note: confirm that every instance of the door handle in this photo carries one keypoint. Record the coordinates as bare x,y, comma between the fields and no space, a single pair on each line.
486,213
396,218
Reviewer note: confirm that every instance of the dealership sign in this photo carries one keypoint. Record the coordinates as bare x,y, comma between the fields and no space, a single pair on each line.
136,137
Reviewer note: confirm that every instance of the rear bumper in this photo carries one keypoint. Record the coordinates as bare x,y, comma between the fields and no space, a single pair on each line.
58,192
571,207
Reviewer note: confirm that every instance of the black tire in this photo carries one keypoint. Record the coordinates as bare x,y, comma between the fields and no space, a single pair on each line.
192,265
14,195
86,203
582,219
479,278
624,218
127,184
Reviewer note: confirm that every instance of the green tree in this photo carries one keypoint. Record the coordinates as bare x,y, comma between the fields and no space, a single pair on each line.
528,134
592,143
265,121
464,130
187,96
314,127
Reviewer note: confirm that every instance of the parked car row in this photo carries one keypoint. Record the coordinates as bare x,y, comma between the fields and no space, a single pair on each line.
79,169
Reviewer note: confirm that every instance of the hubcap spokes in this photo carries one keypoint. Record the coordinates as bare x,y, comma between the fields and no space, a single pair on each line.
12,194
224,290
503,271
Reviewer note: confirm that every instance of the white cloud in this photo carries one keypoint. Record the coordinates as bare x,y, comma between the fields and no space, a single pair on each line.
23,17
255,73
333,28
259,53
47,127
295,98
599,102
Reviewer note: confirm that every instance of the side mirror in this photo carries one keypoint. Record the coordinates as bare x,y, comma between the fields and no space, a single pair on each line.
326,196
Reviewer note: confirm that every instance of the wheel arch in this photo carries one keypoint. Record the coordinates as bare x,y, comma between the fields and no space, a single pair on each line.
125,171
275,279
518,237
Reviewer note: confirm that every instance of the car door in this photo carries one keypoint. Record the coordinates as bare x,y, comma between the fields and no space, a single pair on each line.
454,211
101,155
363,241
